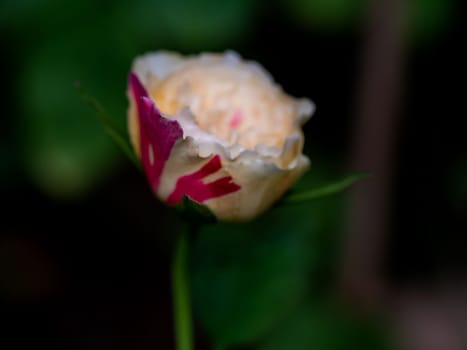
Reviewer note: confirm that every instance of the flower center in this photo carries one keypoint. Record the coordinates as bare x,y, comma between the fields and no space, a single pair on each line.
239,105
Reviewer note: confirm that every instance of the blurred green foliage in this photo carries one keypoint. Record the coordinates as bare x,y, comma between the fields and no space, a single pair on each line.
429,19
66,150
326,15
322,324
426,18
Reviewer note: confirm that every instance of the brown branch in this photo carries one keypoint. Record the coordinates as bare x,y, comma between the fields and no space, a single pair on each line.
377,113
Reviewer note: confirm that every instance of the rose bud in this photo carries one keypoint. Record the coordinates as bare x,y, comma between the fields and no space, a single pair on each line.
217,129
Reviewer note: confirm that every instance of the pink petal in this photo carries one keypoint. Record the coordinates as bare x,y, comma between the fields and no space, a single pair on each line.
157,134
192,186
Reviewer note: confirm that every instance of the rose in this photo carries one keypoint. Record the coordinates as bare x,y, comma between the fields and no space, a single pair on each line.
216,129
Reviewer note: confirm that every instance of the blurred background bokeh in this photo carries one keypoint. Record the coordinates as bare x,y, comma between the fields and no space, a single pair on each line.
85,249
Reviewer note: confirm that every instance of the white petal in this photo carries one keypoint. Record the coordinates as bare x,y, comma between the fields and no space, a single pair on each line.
156,65
262,177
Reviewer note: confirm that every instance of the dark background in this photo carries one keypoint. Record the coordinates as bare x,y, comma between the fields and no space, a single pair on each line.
85,249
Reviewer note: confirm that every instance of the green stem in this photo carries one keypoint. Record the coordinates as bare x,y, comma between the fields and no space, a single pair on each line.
181,295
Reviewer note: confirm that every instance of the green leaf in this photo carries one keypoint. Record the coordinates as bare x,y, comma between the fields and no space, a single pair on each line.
118,135
249,276
325,190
